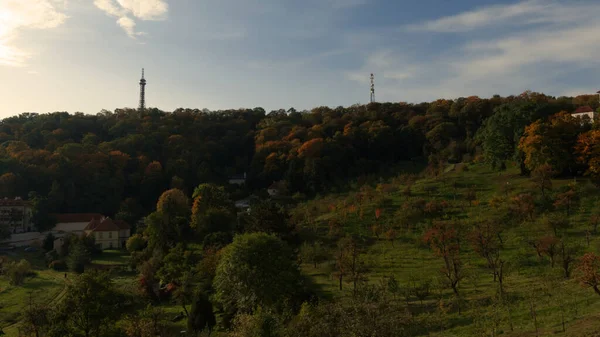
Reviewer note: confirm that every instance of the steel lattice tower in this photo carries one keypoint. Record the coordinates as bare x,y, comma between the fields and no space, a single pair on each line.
372,88
142,92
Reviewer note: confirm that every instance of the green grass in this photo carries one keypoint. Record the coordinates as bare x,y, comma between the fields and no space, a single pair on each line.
45,287
112,258
409,260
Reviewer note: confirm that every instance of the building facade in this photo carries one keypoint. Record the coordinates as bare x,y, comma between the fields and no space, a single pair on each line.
16,214
107,233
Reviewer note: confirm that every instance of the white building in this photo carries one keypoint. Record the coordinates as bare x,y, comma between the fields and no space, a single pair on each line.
16,214
586,113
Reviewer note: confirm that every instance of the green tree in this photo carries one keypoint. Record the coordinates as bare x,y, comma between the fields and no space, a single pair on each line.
201,315
313,253
91,304
17,271
269,217
79,257
135,243
256,270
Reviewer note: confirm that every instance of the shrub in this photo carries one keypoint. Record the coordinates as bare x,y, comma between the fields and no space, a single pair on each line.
136,243
58,265
17,272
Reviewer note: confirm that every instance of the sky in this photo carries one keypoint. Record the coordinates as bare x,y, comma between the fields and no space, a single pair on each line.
87,55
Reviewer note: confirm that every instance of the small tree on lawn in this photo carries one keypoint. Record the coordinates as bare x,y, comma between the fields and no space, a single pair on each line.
484,239
78,258
444,241
566,201
542,177
549,246
589,271
17,271
313,253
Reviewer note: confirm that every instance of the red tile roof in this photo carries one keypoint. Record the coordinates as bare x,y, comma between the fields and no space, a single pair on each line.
76,217
122,224
584,109
105,225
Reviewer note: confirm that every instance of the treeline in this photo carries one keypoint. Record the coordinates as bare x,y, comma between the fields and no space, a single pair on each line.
118,163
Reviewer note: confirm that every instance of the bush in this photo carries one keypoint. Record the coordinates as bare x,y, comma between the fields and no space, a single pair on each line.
217,240
58,265
136,243
17,272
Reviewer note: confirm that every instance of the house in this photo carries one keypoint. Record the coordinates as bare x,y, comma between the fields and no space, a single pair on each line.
585,112
238,179
108,233
16,214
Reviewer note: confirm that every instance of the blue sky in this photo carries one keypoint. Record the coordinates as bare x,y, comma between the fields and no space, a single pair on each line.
86,55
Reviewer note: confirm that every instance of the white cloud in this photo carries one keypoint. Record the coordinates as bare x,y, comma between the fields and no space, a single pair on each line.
505,61
146,10
16,15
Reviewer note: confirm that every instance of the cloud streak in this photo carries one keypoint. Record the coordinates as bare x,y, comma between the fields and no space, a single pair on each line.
529,12
124,10
16,15
550,42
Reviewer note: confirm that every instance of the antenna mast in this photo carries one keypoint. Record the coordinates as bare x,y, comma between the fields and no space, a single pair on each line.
372,88
142,106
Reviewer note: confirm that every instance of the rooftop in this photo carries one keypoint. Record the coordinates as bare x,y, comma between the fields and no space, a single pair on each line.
14,202
76,217
583,109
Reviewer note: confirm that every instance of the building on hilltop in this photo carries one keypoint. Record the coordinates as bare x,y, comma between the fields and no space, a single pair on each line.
586,113
16,214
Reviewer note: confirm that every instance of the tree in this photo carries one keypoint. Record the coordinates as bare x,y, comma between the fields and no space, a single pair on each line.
588,151
201,315
173,203
350,263
551,142
549,245
90,303
566,200
567,252
444,241
523,205
256,270
135,243
484,239
589,271
17,271
35,318
269,217
313,253
542,177
211,196
79,257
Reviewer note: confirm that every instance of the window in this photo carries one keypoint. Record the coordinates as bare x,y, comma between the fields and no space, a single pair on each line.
100,235
110,235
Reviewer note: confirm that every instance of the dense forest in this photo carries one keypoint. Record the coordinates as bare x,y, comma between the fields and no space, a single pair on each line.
457,217
118,163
